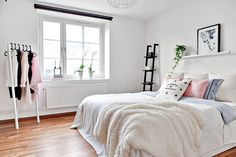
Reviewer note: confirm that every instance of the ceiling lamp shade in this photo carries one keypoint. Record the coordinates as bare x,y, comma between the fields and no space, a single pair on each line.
122,4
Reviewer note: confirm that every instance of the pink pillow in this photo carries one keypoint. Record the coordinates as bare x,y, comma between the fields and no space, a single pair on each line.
197,88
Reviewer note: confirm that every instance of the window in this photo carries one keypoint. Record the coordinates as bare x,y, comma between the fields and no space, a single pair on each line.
66,43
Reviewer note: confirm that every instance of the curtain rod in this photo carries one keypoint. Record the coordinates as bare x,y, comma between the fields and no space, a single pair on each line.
74,12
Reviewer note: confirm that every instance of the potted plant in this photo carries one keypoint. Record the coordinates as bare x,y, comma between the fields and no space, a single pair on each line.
81,67
91,71
179,53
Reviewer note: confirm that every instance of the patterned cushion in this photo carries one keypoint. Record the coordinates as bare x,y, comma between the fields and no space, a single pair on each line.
173,90
212,89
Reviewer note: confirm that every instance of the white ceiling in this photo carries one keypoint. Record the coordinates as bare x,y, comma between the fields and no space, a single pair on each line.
143,9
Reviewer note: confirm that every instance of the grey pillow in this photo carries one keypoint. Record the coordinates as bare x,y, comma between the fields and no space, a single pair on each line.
212,89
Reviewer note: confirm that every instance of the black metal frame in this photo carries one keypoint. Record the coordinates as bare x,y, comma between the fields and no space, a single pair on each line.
147,57
74,12
219,36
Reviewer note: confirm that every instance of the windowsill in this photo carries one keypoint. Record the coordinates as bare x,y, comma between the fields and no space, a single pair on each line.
73,81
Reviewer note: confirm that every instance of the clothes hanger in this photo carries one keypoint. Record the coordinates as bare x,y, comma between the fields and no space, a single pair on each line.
26,48
14,46
18,47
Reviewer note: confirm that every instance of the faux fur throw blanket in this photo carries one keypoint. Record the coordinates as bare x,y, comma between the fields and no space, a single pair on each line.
164,129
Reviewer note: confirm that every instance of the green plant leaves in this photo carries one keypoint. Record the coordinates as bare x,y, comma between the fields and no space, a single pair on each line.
179,51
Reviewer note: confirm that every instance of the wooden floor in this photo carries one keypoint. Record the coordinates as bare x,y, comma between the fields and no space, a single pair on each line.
52,138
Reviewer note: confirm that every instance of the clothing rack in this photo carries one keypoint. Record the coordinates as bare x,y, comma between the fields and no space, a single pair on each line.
26,48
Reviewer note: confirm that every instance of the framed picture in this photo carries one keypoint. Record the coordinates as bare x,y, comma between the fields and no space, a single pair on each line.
208,40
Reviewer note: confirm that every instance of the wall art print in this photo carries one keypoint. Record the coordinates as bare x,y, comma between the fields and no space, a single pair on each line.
208,39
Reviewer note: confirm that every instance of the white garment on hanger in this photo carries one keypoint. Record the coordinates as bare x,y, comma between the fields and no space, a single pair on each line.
14,69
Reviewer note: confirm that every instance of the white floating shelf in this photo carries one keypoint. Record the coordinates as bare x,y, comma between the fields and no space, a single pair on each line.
209,55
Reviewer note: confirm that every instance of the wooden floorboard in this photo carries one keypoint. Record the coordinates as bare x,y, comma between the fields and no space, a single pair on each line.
51,138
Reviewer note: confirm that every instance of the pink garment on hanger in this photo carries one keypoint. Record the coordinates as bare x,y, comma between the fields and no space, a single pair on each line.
36,78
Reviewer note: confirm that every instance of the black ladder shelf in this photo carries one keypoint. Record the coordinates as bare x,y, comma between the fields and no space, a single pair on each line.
150,55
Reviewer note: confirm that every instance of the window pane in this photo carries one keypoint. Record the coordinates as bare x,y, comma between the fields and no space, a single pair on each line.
51,46
91,47
73,33
96,66
73,65
51,49
91,50
91,34
49,66
74,50
51,30
78,40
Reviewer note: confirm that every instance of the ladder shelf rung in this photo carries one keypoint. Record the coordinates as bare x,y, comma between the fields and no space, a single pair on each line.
150,57
149,70
148,83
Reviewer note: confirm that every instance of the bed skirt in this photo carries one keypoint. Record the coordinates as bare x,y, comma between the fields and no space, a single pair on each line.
100,149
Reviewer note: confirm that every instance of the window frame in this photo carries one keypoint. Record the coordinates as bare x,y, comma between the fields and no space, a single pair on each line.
63,51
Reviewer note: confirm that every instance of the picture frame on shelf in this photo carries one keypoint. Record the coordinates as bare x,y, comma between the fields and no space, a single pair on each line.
208,39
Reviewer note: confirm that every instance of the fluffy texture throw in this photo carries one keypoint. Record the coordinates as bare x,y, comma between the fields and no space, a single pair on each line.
164,129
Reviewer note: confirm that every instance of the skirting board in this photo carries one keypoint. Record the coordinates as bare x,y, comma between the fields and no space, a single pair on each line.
41,117
31,113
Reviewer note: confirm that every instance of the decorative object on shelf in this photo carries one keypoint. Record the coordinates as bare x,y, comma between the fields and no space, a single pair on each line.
81,67
179,53
208,40
149,68
122,4
91,71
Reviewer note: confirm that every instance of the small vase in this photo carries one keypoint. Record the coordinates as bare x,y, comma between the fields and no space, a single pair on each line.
90,75
81,75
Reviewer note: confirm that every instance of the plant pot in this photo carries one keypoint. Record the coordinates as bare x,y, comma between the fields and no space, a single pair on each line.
81,73
91,75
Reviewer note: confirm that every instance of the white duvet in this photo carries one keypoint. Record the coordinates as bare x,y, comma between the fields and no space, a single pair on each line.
88,115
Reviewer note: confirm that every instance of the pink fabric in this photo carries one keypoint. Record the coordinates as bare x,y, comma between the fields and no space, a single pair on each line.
197,88
36,78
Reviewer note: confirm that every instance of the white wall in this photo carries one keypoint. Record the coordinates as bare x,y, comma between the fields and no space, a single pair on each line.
19,23
179,26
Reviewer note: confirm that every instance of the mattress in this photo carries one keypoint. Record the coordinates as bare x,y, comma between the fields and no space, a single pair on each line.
216,136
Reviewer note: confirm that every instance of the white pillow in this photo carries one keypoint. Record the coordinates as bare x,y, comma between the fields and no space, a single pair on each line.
174,76
173,90
195,76
227,90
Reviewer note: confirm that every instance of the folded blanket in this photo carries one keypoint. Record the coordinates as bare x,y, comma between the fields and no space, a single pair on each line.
164,129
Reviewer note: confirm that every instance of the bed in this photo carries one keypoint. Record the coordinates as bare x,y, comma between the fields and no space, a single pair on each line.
216,136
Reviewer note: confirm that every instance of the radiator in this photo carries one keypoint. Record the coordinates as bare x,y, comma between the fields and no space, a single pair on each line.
70,95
